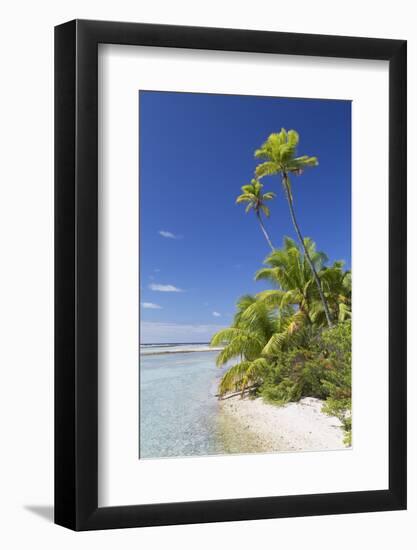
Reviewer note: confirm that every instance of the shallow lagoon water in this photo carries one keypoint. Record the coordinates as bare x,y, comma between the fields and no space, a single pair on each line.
180,414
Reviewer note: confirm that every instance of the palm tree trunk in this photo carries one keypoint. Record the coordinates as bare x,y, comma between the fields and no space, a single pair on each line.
264,231
309,260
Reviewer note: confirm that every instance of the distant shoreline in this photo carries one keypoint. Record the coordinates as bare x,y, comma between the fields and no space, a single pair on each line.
170,352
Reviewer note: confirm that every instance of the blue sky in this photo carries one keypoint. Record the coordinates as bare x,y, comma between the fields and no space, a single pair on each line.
198,249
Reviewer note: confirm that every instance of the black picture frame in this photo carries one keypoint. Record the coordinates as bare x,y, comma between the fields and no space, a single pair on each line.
76,272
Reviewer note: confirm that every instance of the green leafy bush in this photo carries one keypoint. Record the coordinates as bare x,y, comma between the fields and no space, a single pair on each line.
295,374
323,371
338,379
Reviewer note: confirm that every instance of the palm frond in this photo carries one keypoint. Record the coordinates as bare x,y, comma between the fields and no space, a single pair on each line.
344,313
293,138
275,343
278,340
266,169
269,273
248,188
224,336
243,198
243,374
265,210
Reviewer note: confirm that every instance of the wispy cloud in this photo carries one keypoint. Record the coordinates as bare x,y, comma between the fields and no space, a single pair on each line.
216,314
168,234
150,305
151,332
164,288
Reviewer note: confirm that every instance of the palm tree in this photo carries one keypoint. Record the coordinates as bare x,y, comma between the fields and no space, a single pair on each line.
258,332
279,152
244,340
252,194
289,269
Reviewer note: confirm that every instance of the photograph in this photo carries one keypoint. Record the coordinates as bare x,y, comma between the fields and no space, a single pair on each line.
245,274
208,234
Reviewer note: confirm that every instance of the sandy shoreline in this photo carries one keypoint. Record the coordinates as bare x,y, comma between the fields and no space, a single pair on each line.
293,427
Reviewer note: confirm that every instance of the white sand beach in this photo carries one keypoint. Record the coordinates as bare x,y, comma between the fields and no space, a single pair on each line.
293,427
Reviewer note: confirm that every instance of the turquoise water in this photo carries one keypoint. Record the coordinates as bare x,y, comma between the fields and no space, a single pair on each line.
178,406
179,412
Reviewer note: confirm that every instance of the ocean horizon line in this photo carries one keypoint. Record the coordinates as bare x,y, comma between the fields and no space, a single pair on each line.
177,347
174,343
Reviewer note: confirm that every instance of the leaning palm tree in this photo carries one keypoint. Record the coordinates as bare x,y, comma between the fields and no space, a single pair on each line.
279,153
244,341
258,332
252,194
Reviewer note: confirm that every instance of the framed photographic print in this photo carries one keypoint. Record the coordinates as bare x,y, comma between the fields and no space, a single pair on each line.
230,338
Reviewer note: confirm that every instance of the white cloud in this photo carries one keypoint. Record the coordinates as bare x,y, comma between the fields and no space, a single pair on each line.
150,305
168,234
153,332
216,314
164,288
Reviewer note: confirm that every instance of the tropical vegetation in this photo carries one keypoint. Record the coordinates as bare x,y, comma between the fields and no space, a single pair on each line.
279,154
294,339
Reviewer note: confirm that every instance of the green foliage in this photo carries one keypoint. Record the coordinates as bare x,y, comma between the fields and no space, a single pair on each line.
289,270
279,153
296,373
294,339
242,375
253,195
338,379
316,362
322,370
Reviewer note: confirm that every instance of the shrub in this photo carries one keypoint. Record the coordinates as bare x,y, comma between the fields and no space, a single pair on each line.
322,370
294,374
338,379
